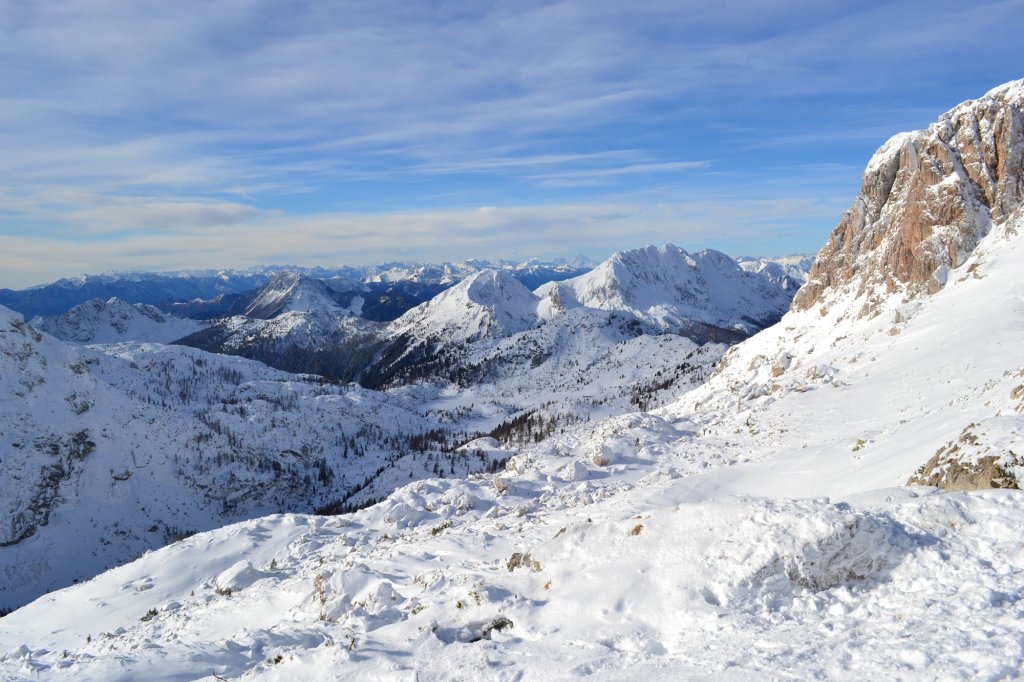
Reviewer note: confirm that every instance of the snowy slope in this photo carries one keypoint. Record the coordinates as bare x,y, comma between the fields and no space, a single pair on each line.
750,530
487,304
291,292
786,272
619,549
580,366
735,589
305,342
111,450
113,321
672,289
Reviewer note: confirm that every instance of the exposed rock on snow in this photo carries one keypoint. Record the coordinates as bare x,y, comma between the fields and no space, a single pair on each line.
982,457
926,200
920,213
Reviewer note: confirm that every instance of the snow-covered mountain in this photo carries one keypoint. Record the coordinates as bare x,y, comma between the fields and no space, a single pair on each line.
674,291
905,278
578,366
392,288
149,288
488,304
787,272
113,321
108,451
757,527
304,342
706,297
531,273
445,274
684,518
927,199
290,292
703,297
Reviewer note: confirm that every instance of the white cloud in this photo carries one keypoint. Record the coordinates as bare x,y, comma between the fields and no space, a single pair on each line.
190,96
131,121
231,238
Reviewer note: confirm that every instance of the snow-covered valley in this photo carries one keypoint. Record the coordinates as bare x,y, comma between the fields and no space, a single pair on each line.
667,507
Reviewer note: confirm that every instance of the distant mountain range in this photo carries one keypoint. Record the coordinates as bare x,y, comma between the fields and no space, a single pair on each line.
389,289
706,296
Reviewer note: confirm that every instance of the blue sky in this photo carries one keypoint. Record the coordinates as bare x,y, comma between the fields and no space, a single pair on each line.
168,135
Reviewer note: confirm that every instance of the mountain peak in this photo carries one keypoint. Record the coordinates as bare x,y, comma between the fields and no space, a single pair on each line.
488,303
113,321
289,292
926,200
490,287
1012,90
671,289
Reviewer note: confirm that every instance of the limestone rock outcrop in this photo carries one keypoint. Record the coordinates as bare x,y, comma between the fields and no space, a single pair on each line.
926,200
972,462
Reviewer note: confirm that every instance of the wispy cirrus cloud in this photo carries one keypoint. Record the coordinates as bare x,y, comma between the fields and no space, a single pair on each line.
129,119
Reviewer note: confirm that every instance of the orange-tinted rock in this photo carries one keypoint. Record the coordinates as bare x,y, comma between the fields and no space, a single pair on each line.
926,200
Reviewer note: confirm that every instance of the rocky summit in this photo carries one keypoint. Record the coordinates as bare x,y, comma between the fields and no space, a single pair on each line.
926,199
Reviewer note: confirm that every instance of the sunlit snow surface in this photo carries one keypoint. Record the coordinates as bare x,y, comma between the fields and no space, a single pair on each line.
696,542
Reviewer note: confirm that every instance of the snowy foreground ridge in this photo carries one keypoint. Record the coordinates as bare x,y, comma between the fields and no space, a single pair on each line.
757,528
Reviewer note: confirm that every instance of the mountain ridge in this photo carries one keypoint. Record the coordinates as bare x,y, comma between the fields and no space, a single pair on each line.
757,523
113,320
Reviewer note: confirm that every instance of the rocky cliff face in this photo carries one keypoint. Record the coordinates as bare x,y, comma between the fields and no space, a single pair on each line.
917,287
926,200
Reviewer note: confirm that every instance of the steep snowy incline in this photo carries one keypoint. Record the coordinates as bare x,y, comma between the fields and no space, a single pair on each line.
913,246
291,292
488,304
111,450
114,321
830,405
673,290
